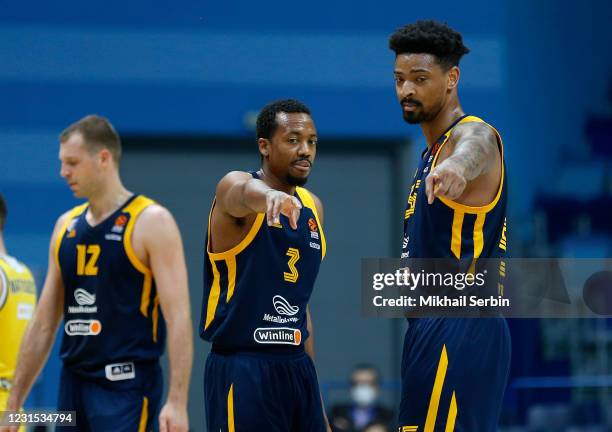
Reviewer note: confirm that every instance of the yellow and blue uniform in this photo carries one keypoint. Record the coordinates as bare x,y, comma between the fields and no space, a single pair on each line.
258,376
454,371
17,302
113,330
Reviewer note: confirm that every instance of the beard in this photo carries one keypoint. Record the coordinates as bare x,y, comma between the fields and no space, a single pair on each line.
296,181
416,117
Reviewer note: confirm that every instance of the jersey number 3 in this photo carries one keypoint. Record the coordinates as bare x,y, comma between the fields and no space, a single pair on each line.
294,256
87,259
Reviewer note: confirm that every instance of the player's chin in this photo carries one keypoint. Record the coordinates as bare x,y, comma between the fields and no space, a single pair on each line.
297,179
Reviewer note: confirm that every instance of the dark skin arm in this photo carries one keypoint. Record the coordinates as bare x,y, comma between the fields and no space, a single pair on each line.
468,170
239,198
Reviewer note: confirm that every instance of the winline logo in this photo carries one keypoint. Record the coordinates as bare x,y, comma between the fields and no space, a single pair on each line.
83,327
278,335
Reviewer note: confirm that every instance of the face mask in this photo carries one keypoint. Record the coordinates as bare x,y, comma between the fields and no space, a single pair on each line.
363,394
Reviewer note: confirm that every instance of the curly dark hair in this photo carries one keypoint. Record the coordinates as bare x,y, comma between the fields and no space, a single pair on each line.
430,37
3,212
266,120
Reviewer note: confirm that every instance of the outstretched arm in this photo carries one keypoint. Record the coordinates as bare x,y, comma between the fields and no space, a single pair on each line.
167,261
472,151
40,333
239,194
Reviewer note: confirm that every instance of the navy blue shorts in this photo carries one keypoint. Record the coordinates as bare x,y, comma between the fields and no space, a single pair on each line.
102,405
454,371
252,391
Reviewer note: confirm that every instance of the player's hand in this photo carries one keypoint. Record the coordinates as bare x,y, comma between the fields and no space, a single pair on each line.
173,418
278,203
446,180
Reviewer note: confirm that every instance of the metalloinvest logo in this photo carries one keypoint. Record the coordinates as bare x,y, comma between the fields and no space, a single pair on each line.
85,300
279,335
83,327
283,307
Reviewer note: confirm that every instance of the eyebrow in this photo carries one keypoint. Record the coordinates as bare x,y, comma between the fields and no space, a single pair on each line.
419,70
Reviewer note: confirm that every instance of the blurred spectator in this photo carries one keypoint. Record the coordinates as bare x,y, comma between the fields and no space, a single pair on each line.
364,413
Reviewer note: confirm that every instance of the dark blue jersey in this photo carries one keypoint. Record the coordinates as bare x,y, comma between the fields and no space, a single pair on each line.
256,293
111,306
447,229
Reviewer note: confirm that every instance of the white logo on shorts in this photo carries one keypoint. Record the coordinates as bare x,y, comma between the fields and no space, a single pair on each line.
120,371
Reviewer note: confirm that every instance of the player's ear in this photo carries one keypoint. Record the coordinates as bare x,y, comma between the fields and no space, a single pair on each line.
105,157
264,147
452,78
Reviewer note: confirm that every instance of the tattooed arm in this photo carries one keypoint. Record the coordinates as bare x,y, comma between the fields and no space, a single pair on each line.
470,162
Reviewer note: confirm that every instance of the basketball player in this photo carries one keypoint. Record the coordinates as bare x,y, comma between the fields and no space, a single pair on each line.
454,371
113,263
265,244
17,301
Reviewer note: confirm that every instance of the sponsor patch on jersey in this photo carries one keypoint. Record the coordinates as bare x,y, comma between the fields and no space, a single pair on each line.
316,246
71,228
312,225
25,311
278,335
119,225
120,371
115,237
85,300
314,235
83,327
283,307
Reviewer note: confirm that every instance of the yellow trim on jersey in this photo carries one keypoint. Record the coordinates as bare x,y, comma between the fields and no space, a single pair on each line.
240,246
478,235
213,297
230,410
144,415
452,415
434,402
134,209
309,202
231,277
456,233
75,212
155,316
462,207
229,256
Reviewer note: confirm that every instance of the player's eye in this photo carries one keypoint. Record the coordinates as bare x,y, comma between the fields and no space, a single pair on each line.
421,79
293,140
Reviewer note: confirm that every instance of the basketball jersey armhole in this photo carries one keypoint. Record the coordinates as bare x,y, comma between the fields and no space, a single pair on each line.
309,202
134,209
232,252
466,208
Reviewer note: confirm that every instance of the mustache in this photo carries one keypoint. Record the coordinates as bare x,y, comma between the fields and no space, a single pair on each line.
302,159
411,102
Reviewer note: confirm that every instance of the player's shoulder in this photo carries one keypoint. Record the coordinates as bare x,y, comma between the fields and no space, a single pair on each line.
309,198
155,215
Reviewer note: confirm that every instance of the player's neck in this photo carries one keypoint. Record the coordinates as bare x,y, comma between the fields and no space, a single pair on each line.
108,199
2,247
274,182
437,126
